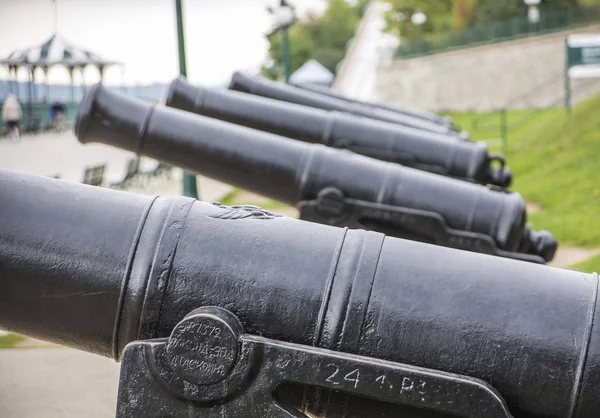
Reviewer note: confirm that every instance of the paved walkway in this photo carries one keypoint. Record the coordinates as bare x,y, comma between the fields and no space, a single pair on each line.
567,256
52,154
57,383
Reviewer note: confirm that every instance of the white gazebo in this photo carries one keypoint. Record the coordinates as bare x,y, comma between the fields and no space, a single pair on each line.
55,51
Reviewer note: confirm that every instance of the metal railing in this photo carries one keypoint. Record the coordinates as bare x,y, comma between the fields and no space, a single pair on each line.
498,121
515,28
36,116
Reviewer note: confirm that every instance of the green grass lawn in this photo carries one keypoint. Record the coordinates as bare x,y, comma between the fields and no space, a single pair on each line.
590,265
229,198
10,340
233,198
555,163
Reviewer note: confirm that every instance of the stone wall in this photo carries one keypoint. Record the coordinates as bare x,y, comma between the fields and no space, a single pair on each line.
515,74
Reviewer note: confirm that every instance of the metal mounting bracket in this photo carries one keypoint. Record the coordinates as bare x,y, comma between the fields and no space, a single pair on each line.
331,207
208,368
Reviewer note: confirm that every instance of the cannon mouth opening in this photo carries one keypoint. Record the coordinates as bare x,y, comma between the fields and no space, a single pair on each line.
241,82
501,177
173,88
540,243
85,112
235,78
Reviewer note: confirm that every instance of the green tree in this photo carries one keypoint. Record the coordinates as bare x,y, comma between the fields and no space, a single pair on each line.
461,11
323,38
486,11
446,15
438,12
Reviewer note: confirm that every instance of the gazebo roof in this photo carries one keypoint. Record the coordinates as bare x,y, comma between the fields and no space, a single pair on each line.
55,51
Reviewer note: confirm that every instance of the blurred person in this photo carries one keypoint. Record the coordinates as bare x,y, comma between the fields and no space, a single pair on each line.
12,114
57,112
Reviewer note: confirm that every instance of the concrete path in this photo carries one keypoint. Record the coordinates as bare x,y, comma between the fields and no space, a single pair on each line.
52,154
57,383
567,256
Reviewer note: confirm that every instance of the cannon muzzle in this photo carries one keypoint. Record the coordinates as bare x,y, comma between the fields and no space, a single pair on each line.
411,147
287,93
249,299
328,186
232,154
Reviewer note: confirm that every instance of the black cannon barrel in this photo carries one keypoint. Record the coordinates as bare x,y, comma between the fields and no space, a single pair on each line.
294,172
381,140
95,269
288,93
432,117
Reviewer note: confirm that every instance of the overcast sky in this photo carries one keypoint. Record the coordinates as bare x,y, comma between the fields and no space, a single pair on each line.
221,35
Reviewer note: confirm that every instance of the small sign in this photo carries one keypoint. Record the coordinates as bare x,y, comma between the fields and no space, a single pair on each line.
583,55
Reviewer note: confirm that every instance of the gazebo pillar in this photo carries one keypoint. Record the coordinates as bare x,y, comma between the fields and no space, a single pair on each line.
101,69
30,97
82,72
47,84
14,82
10,80
71,70
33,91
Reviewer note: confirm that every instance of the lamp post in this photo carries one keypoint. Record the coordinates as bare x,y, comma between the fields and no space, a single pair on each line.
533,11
418,19
284,16
190,188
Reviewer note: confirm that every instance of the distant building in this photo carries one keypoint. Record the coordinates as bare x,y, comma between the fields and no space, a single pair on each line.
312,72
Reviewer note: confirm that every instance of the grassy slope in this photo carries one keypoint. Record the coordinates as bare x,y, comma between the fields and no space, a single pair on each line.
590,265
556,167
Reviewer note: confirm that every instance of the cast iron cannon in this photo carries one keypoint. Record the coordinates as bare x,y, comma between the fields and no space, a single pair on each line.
235,312
288,93
385,141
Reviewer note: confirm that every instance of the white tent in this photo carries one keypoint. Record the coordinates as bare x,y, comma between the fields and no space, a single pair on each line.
312,72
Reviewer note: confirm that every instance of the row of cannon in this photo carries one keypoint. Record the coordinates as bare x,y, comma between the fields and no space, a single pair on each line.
339,166
233,311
